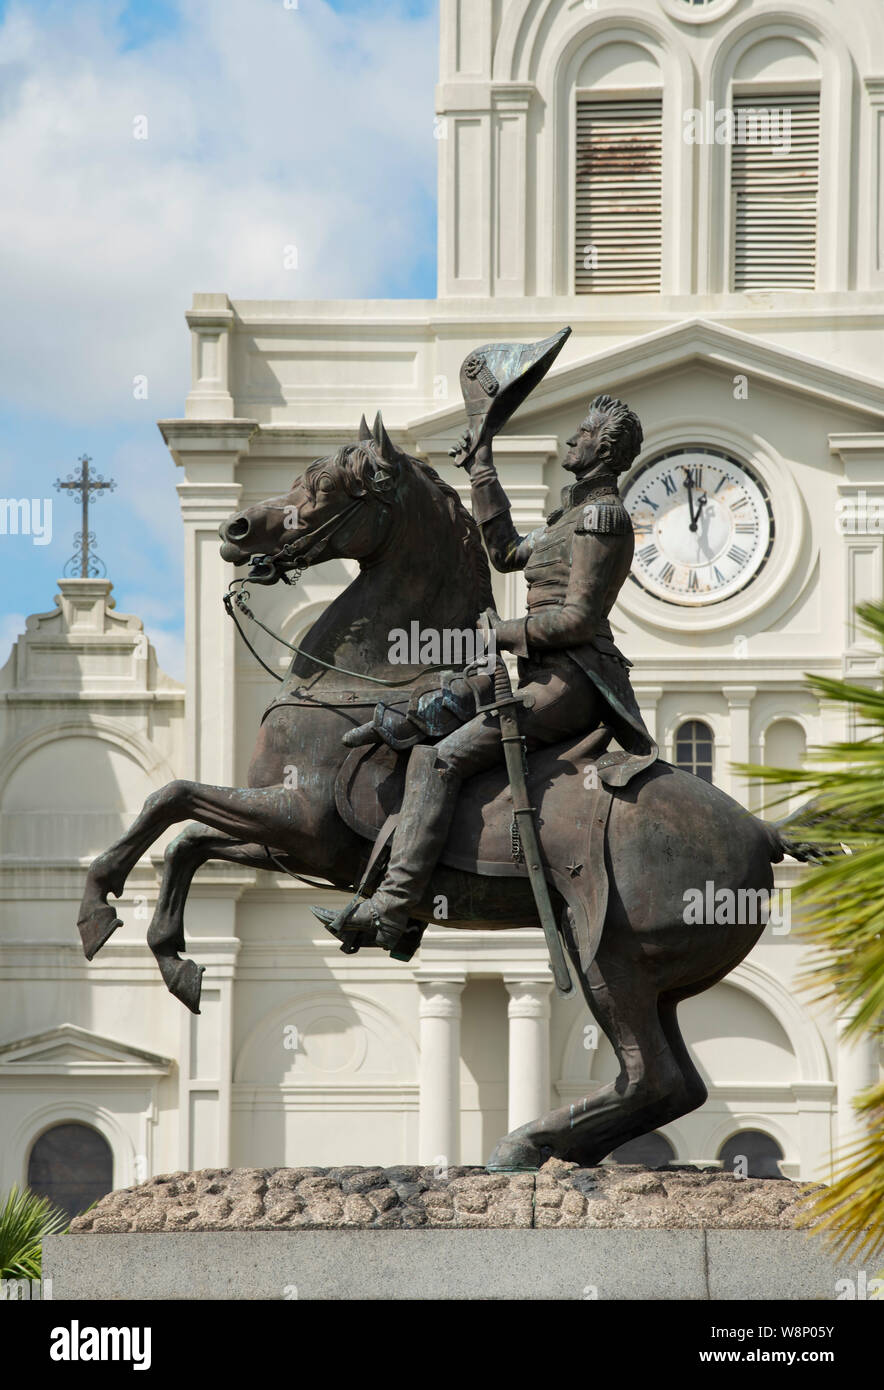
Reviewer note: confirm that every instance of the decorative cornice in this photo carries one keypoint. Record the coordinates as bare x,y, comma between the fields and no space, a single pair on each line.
671,348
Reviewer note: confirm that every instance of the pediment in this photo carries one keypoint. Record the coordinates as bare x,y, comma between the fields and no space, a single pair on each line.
69,1050
671,349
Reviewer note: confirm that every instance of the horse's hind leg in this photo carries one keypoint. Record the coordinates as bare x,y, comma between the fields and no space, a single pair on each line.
165,937
694,1085
650,1090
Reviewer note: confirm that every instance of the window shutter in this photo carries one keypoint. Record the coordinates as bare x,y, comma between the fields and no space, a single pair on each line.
775,194
619,196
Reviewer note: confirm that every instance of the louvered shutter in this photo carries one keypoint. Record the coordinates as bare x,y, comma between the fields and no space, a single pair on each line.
619,196
775,194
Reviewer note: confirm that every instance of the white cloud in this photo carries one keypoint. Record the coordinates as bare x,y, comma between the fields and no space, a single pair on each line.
266,127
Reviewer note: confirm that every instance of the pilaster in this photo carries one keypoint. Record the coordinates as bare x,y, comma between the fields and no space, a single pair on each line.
209,452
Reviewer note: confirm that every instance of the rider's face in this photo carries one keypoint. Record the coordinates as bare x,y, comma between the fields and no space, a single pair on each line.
583,447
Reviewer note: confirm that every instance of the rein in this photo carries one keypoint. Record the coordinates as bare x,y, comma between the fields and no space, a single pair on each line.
241,596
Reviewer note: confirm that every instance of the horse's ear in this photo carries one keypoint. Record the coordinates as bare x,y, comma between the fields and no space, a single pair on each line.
389,457
382,441
364,431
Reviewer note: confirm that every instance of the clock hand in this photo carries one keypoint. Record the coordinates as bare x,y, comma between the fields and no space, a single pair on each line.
690,487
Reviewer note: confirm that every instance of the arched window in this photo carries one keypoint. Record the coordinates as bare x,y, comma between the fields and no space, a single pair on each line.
72,1165
785,745
650,1150
693,749
752,1153
619,172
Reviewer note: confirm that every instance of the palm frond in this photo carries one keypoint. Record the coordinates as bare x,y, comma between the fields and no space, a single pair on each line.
843,903
850,1212
25,1219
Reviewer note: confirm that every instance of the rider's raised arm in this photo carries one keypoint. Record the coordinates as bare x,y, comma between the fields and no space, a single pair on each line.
597,571
507,550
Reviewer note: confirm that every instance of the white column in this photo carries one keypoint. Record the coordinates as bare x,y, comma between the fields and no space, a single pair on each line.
649,697
739,699
871,185
857,1061
211,324
528,1014
439,1132
509,133
210,453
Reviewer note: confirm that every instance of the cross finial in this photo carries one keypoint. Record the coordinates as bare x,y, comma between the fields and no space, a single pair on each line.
84,482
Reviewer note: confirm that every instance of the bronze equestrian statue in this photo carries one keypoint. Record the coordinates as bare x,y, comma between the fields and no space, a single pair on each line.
400,794
569,667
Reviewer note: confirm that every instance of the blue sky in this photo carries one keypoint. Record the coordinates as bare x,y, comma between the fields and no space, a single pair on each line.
267,124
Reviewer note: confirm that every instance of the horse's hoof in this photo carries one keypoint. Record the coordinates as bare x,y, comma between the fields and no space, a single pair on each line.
97,927
516,1154
184,979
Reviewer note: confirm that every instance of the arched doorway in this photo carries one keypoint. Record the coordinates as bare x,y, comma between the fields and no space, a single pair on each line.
753,1153
650,1150
72,1165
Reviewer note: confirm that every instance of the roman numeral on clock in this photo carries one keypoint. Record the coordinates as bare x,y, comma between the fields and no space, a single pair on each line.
669,483
693,582
648,553
746,528
666,573
737,555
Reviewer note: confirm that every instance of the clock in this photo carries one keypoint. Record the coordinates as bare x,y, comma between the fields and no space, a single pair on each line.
704,526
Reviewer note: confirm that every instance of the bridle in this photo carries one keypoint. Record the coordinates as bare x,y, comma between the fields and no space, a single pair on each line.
266,569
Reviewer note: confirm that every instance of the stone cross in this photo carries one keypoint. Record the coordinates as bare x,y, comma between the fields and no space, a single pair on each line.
85,483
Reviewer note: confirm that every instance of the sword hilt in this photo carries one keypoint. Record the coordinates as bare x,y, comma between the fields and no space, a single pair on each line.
503,686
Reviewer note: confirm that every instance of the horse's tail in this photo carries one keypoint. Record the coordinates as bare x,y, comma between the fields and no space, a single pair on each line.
806,851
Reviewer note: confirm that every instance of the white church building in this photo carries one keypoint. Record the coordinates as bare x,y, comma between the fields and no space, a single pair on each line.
591,173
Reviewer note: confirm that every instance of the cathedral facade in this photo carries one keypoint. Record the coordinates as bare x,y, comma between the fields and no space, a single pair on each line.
695,187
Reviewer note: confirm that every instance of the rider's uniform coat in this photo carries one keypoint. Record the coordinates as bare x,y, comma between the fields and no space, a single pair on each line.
574,566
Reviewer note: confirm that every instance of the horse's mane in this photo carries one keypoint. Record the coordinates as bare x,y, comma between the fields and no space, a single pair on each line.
354,461
470,535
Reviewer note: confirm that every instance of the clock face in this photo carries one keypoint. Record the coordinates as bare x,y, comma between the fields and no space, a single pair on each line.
703,526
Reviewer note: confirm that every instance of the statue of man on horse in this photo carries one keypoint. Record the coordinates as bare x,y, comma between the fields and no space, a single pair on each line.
605,863
572,678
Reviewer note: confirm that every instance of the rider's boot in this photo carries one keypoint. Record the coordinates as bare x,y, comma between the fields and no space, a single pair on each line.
431,791
388,726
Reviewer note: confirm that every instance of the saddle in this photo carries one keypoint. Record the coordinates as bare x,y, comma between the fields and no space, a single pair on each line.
484,839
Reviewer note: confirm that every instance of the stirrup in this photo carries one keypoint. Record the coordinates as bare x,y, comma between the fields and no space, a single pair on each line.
406,945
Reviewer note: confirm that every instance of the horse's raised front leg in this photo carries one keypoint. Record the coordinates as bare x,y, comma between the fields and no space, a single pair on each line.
265,815
165,937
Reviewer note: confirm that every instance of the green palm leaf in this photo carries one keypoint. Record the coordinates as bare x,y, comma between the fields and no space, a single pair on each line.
25,1219
844,926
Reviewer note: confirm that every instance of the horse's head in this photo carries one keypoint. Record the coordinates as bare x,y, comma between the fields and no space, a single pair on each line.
342,506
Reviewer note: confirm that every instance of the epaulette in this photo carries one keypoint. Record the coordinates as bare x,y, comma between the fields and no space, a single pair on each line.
604,519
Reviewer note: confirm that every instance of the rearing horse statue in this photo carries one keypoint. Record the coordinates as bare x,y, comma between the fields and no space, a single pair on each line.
620,860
